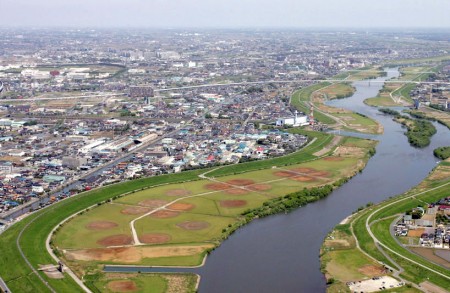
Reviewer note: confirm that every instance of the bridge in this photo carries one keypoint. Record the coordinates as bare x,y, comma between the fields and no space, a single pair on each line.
245,83
368,81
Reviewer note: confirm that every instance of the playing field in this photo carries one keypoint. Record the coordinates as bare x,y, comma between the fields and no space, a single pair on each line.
176,224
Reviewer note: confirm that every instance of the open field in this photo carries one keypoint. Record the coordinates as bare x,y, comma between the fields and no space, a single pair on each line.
32,231
338,91
178,224
300,100
360,74
380,218
152,283
395,94
343,262
433,114
418,60
342,119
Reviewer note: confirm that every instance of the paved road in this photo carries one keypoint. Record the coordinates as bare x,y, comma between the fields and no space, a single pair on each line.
378,242
63,98
3,286
295,81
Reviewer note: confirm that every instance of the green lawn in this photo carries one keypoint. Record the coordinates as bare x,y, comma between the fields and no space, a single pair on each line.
381,222
345,264
152,283
37,227
301,97
170,226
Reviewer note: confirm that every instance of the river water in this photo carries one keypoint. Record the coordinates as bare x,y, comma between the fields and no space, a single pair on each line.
281,253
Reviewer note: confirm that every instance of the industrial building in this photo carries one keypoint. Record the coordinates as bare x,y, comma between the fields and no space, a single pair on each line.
297,120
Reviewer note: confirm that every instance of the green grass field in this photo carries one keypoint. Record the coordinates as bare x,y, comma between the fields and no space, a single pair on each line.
360,74
201,215
382,219
36,228
152,283
338,91
418,60
301,98
383,99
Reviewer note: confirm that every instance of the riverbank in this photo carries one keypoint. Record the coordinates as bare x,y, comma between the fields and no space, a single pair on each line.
207,211
419,131
315,97
350,253
398,94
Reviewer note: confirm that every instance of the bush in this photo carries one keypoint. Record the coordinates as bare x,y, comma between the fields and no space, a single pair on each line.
442,153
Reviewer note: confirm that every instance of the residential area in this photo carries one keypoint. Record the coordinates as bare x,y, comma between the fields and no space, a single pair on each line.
426,226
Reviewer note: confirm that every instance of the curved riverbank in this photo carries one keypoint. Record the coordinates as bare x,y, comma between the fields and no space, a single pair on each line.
280,253
370,240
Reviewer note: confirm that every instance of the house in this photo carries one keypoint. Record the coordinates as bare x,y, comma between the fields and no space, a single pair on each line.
407,219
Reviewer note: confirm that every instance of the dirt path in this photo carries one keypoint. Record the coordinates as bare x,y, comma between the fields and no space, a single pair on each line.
328,148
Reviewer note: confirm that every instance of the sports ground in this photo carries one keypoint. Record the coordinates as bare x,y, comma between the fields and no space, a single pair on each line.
177,224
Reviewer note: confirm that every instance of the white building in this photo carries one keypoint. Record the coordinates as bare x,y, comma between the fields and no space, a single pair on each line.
293,121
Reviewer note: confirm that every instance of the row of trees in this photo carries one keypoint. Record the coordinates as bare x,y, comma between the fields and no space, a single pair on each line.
442,153
289,202
419,131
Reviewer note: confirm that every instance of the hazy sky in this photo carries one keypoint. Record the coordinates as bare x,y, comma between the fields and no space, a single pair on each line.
226,13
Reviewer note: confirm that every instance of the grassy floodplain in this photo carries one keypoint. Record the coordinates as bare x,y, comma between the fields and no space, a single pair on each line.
337,118
34,229
419,131
398,94
197,215
359,74
148,283
432,114
342,240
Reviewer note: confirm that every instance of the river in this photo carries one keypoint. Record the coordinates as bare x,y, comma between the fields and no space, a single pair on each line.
281,253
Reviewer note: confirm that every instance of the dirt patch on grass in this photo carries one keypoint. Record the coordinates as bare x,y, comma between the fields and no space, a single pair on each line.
134,210
236,191
372,270
329,147
241,182
349,151
304,170
134,254
442,172
337,243
164,214
232,203
155,238
153,203
286,174
101,225
217,186
177,192
51,271
260,187
304,179
177,283
320,174
193,225
181,206
430,287
429,254
416,232
116,240
333,159
122,286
